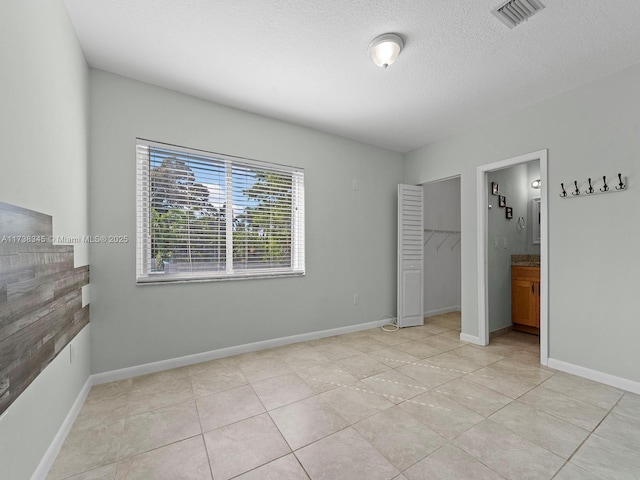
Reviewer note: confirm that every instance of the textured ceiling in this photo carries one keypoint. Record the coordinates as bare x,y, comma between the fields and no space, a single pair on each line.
305,61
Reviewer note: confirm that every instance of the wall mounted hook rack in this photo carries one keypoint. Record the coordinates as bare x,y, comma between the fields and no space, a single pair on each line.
590,190
576,192
564,192
605,187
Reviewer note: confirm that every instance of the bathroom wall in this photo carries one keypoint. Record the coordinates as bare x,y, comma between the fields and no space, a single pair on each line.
506,238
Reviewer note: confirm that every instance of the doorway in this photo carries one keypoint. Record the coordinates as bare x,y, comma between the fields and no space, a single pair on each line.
483,244
442,252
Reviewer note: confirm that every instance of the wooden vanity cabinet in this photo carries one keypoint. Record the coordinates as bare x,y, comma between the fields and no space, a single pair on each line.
525,299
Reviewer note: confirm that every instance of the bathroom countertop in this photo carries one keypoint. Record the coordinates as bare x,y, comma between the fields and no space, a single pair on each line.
525,260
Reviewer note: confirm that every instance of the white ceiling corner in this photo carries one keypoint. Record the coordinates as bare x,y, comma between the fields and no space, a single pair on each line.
305,61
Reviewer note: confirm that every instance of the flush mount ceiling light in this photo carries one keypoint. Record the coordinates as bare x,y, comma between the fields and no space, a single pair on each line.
536,183
384,50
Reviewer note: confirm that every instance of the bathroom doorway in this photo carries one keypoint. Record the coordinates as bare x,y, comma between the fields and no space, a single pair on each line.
505,209
512,243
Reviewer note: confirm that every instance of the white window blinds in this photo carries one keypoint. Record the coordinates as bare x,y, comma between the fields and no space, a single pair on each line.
210,216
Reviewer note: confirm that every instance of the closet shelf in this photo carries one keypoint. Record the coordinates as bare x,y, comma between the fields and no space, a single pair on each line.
441,231
448,233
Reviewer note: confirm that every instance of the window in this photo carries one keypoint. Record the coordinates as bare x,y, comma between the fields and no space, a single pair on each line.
205,216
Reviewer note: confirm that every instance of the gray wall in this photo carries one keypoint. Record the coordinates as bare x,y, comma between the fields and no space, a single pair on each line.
43,131
44,97
590,131
350,234
512,182
442,266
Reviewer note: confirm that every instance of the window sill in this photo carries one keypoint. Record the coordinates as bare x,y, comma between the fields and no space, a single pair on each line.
161,279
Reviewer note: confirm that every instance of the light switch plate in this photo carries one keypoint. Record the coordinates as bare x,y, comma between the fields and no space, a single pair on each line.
85,296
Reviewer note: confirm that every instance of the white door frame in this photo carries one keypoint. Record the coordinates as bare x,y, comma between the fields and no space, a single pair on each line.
483,218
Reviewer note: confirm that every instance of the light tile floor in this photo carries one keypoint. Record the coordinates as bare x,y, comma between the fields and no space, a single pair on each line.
411,405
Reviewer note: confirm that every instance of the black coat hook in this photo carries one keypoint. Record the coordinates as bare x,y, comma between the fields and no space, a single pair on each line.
605,188
564,192
590,189
620,186
577,190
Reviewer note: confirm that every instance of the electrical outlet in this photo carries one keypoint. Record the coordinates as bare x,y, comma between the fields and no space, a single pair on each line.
505,243
496,242
356,300
355,184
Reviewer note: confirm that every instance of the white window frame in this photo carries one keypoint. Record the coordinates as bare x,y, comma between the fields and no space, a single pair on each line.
144,274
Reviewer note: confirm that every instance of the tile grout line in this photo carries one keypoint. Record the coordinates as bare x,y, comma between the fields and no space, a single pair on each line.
428,366
389,396
592,432
204,442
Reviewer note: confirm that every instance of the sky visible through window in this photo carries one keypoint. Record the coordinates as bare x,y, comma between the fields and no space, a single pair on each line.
212,175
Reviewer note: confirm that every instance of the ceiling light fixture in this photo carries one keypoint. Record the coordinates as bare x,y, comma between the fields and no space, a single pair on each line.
536,183
384,50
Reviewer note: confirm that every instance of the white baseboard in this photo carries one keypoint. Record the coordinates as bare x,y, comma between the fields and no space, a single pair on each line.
124,373
500,331
440,311
56,444
595,375
470,338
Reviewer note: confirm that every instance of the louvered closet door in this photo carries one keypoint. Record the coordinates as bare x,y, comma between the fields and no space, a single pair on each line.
410,256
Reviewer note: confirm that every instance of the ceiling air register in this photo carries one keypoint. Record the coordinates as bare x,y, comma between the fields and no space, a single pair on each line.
515,12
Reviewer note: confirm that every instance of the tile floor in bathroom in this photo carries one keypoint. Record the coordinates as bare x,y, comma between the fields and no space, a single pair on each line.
413,404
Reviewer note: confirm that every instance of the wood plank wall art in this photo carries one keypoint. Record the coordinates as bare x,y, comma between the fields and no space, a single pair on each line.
40,298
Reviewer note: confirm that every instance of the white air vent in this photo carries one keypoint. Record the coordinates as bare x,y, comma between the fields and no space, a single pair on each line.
515,12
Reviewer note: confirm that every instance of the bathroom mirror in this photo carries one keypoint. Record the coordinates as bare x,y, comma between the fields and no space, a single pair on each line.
535,221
